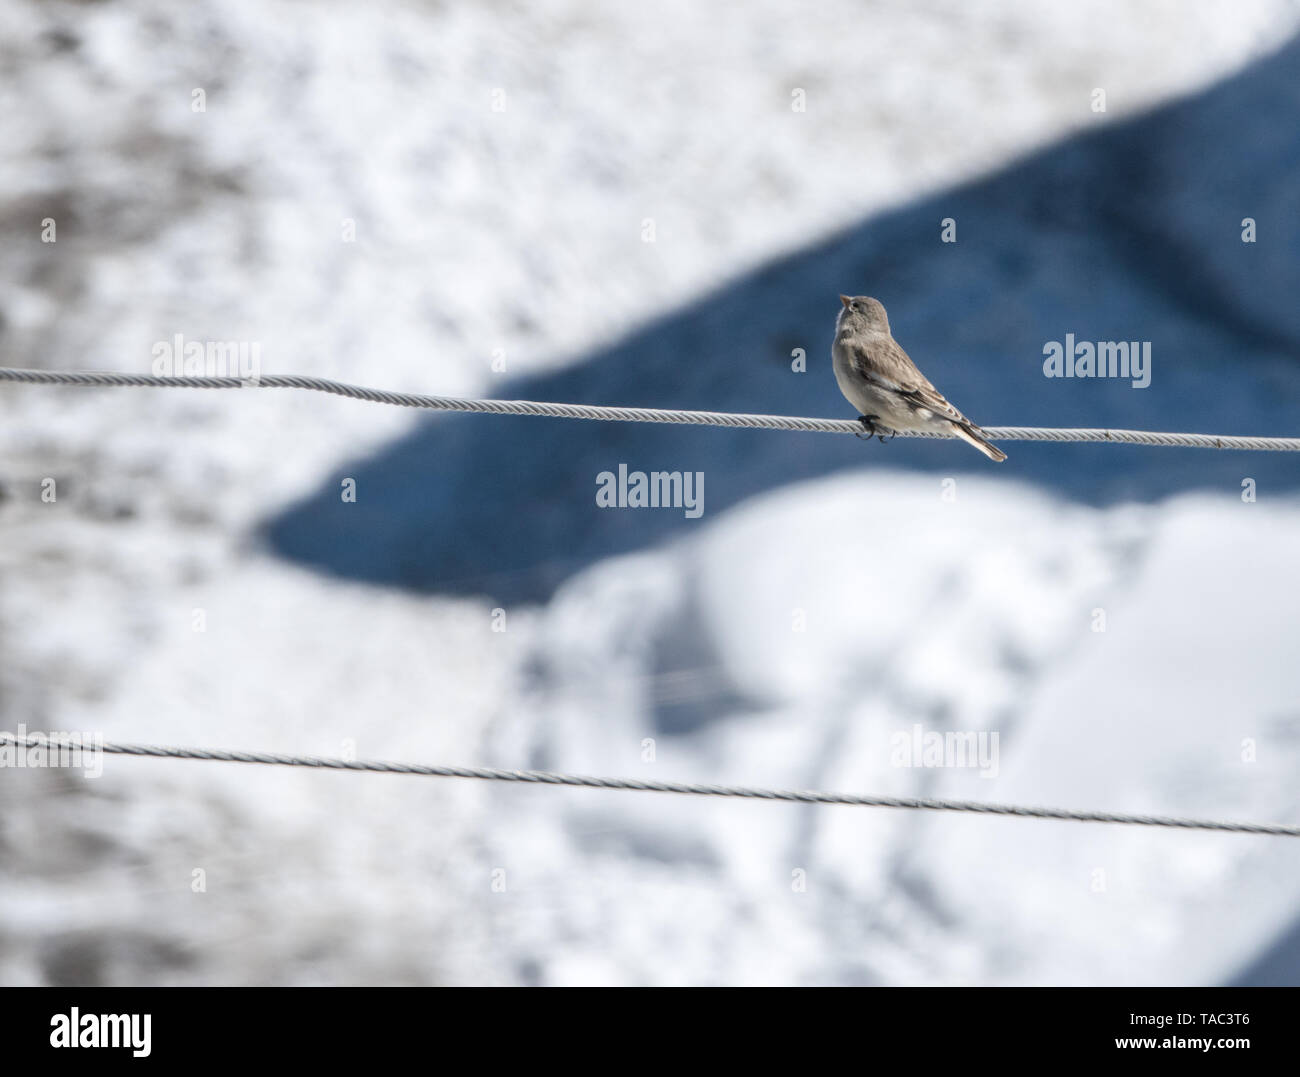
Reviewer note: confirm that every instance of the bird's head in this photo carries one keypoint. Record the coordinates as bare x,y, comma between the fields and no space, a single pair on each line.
863,312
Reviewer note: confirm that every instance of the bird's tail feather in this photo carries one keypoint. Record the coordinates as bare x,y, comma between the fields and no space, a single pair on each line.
975,436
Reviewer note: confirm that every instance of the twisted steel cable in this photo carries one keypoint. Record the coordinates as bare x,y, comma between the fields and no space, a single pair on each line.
543,777
633,415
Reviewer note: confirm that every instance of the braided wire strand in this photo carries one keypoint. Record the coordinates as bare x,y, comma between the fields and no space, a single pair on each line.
544,777
104,379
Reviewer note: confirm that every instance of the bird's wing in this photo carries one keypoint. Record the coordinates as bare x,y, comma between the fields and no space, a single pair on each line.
928,397
891,368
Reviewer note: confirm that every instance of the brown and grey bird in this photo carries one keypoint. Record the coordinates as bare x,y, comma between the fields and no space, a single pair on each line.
877,377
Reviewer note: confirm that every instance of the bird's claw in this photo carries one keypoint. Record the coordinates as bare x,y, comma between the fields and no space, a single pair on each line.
869,426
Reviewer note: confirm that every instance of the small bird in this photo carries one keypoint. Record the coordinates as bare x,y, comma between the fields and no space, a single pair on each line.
877,377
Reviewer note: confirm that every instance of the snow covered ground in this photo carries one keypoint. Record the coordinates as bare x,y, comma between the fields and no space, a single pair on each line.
820,606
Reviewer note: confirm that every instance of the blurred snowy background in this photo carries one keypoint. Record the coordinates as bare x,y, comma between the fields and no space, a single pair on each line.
827,600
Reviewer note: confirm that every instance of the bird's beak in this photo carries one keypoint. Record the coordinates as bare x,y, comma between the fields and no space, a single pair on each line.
846,299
